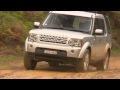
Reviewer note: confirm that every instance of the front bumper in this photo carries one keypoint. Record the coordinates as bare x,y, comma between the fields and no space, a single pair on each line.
51,58
69,52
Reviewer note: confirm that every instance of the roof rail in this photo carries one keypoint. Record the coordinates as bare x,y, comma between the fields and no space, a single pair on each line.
98,12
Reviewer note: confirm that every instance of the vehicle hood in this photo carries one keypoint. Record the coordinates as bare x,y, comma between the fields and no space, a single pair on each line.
61,33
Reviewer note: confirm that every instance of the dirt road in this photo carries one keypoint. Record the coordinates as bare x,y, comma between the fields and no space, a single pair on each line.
43,71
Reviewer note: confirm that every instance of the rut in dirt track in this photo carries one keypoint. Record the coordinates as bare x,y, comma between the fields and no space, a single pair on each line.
43,71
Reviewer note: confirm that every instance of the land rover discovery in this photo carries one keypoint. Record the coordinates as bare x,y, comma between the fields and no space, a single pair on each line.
79,38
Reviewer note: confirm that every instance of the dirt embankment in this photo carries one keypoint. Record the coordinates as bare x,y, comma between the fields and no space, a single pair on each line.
43,71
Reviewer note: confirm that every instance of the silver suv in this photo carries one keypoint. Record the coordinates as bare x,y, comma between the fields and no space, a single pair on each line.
74,37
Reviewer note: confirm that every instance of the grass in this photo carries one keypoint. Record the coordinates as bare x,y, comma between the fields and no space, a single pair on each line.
115,52
6,59
15,25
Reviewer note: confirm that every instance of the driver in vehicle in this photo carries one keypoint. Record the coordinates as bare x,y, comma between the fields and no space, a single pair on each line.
65,21
60,21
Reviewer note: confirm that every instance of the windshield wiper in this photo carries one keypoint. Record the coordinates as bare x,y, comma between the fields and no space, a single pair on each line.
79,30
83,31
55,27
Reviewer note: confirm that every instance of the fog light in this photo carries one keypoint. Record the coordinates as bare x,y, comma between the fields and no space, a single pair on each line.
72,51
31,45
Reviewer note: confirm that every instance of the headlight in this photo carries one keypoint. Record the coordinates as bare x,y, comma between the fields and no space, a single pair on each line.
32,37
75,42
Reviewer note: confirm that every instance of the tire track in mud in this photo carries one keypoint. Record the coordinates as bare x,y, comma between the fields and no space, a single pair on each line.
43,71
7,73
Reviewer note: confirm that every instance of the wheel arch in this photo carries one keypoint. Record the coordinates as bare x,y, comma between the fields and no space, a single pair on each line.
86,46
107,49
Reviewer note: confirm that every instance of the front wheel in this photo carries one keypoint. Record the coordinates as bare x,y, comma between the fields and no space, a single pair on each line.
104,64
83,64
29,64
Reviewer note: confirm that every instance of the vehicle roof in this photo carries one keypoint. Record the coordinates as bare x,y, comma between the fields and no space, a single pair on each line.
78,13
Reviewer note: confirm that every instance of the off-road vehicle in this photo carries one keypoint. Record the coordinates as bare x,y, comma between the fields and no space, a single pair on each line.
79,38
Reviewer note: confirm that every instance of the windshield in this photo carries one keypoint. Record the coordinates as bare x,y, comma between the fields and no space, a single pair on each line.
67,22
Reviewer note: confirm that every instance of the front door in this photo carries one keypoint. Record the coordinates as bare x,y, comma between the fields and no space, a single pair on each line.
99,40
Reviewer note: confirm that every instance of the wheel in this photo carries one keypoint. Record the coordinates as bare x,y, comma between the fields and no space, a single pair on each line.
104,64
83,64
53,64
29,64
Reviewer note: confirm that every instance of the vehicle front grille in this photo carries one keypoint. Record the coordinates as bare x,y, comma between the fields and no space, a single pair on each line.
53,39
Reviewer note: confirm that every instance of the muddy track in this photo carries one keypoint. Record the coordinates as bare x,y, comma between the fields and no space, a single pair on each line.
43,71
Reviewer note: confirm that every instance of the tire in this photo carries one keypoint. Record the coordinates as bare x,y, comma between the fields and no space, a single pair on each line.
83,64
29,64
104,64
53,64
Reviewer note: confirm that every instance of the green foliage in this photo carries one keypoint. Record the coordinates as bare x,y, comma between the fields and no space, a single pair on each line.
15,25
115,52
18,49
5,59
2,48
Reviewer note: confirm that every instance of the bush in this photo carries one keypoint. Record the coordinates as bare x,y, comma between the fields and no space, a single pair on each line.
15,25
18,49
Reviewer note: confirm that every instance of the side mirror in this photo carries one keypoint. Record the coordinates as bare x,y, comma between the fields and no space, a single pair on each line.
99,31
36,24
